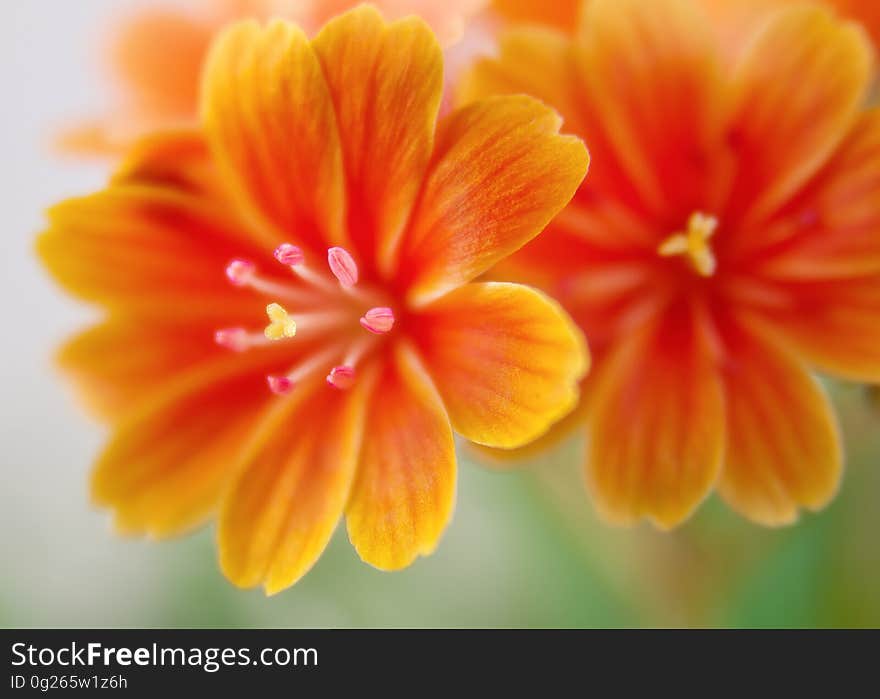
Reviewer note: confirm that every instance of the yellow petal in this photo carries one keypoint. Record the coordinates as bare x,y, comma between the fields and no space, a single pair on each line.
293,481
270,121
405,490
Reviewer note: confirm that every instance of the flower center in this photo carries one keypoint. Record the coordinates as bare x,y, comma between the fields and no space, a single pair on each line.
330,302
693,243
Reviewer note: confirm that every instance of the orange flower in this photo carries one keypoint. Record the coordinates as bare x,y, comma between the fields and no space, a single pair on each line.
736,19
559,14
733,20
728,239
157,54
373,357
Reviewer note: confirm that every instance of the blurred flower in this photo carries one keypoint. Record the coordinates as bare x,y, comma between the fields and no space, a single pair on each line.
737,19
157,55
372,359
727,239
734,20
559,14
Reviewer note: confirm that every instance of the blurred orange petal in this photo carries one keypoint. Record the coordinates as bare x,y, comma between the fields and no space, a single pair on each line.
638,59
506,360
783,449
656,434
177,159
532,61
832,230
156,79
560,14
797,90
405,489
835,325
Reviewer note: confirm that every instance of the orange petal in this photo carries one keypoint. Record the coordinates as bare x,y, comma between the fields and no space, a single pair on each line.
532,61
798,89
501,171
176,158
656,424
505,358
834,325
117,364
783,447
566,428
833,229
561,14
386,82
865,12
157,55
167,463
90,138
141,248
293,483
651,76
270,121
405,489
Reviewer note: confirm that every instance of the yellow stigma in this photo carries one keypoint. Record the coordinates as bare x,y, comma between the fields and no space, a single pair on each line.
694,243
281,325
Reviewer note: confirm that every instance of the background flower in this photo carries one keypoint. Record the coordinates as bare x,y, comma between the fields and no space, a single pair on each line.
727,240
156,55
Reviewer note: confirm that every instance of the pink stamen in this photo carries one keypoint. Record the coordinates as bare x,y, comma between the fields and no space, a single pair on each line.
240,272
343,266
235,339
378,320
341,377
280,385
289,255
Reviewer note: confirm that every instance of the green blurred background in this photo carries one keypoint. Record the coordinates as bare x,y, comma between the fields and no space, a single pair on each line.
524,549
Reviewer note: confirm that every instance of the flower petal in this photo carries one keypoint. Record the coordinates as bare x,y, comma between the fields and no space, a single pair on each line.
386,83
650,75
506,359
530,61
501,171
656,424
165,467
293,481
561,14
175,158
834,325
798,88
833,229
141,248
158,56
783,448
114,368
405,489
270,121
